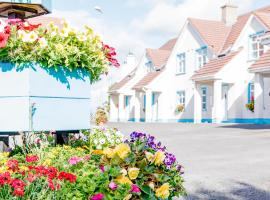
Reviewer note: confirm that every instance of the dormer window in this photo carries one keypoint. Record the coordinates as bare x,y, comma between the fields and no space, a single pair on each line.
256,49
201,57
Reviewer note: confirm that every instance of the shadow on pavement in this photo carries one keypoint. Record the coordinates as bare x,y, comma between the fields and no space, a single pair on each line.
247,126
243,191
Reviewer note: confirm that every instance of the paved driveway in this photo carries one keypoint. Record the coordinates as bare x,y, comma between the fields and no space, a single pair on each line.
221,161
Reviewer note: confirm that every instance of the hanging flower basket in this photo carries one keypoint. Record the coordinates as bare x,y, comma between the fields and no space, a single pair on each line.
46,73
250,105
179,109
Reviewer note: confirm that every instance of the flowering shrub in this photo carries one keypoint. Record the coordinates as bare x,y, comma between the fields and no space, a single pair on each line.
139,168
250,105
22,42
179,108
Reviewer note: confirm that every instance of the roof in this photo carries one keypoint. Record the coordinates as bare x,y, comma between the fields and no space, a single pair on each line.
120,84
169,45
214,33
158,57
147,79
262,63
214,66
237,28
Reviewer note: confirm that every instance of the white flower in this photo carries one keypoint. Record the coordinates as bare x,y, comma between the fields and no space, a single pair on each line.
64,32
29,37
21,34
3,24
95,142
53,33
81,37
99,147
43,42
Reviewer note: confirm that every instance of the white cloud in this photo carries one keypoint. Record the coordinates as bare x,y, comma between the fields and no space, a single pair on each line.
167,18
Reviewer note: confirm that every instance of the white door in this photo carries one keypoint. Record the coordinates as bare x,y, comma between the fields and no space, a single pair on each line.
225,89
155,106
266,100
127,107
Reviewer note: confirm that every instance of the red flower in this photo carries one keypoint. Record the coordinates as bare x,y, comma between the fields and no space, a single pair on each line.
7,30
18,192
5,178
13,164
17,183
110,53
3,40
67,176
33,158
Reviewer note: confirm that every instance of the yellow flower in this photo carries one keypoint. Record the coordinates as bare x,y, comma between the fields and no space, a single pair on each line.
24,168
43,42
163,192
97,152
122,150
133,173
149,156
159,158
123,180
109,152
80,149
47,162
128,197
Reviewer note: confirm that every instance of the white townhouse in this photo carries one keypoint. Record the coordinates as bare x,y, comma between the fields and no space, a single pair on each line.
212,70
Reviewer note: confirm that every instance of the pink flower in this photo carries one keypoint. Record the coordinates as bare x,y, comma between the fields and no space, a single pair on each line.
102,168
74,160
135,189
99,196
87,157
113,186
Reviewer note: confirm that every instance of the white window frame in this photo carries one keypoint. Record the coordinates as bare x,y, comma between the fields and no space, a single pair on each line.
201,57
181,63
204,102
251,92
181,97
256,49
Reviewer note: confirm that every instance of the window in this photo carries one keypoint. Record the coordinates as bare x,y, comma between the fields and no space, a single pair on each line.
204,99
181,97
201,57
256,48
127,101
250,92
150,67
181,63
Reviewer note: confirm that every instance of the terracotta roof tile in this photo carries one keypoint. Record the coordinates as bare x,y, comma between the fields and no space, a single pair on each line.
158,57
262,62
214,66
264,17
147,79
241,22
169,45
123,82
213,33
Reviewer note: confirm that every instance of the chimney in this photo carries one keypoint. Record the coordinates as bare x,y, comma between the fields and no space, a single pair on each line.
229,13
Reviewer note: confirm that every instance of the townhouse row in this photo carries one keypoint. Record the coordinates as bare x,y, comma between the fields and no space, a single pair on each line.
214,72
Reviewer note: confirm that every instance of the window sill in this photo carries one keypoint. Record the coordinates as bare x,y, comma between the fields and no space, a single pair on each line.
180,73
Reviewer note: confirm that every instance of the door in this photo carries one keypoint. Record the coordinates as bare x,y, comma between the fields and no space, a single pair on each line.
225,89
155,106
127,107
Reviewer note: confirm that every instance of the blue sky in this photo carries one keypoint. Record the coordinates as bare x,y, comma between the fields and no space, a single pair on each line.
132,25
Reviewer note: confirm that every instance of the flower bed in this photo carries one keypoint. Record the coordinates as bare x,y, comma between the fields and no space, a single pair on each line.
137,168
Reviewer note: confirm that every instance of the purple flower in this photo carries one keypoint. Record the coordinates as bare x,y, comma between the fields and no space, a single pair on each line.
135,189
113,186
180,169
99,196
169,160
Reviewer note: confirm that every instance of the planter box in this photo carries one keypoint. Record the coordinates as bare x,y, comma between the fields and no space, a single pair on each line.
38,99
